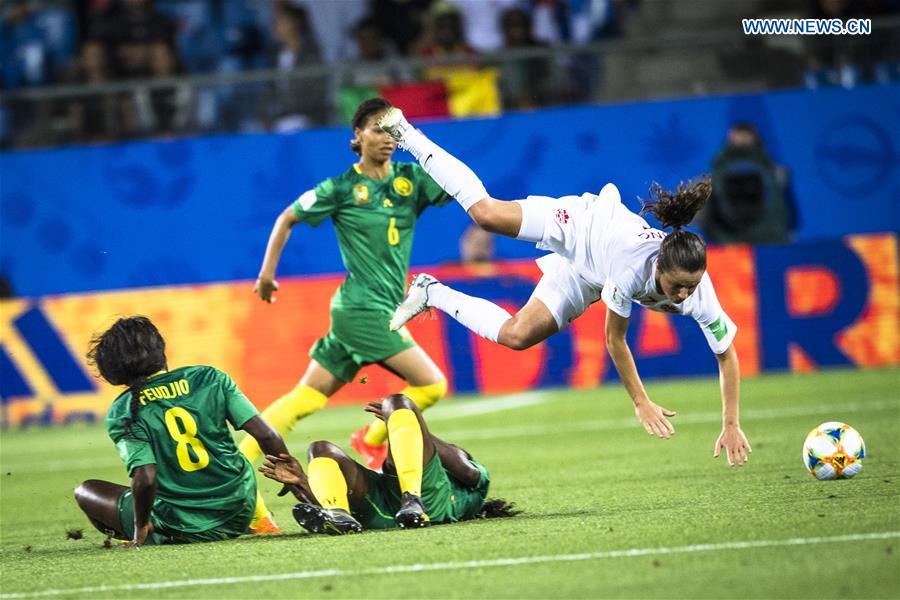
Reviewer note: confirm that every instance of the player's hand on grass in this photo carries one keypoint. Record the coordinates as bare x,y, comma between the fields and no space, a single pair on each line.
265,287
737,448
654,418
375,409
140,536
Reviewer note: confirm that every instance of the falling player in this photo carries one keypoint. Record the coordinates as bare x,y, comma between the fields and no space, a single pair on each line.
600,251
374,206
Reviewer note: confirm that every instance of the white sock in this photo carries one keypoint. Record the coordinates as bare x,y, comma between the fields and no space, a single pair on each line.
476,314
449,172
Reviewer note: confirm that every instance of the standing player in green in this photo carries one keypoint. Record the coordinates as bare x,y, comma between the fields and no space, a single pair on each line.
374,206
189,482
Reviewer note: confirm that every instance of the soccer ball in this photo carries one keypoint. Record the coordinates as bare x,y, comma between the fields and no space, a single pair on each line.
834,450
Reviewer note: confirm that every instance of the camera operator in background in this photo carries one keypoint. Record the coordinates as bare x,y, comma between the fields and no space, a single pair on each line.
751,200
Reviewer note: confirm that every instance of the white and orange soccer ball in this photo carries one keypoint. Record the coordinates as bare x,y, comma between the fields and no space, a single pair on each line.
834,450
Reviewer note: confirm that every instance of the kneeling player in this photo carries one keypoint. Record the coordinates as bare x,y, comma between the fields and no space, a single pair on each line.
425,480
189,482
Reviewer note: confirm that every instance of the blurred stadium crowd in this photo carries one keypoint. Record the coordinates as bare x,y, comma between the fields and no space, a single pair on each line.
102,70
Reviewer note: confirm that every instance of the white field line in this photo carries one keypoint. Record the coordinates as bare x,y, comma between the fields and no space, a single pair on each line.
447,411
456,410
839,412
449,566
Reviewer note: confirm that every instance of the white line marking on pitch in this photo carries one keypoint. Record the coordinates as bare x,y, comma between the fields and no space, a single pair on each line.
469,408
449,566
480,407
695,418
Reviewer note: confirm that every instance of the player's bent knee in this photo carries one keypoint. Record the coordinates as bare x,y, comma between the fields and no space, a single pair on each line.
85,493
396,402
80,493
324,448
515,339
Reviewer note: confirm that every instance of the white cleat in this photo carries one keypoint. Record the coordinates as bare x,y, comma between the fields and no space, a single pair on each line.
416,301
396,125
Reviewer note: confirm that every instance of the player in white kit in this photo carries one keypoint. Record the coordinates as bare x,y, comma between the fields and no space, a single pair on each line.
600,251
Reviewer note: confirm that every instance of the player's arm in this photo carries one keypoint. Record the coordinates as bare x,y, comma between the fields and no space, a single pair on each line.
285,469
455,461
281,231
272,445
143,492
732,439
497,216
269,440
651,415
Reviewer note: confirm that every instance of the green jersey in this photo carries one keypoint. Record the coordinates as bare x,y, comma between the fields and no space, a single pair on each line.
182,428
374,221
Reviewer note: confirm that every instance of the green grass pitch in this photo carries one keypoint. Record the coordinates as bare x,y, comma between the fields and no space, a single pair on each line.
608,510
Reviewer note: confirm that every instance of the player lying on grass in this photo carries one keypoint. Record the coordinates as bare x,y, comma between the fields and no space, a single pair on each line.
601,251
189,482
424,480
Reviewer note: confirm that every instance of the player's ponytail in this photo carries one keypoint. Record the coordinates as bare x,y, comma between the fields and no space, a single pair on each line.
681,249
497,508
135,404
365,110
128,353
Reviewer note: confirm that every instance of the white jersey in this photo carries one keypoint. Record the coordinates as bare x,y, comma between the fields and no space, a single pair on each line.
615,252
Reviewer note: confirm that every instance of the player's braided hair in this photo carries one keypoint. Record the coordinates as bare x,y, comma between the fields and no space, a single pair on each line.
127,354
682,249
363,112
497,508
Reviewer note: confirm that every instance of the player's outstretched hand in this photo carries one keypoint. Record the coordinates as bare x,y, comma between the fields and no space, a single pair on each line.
654,419
283,468
375,409
737,448
265,287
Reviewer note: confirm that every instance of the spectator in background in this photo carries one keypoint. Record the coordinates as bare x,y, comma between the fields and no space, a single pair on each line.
444,33
750,199
482,21
93,118
332,21
443,36
297,102
849,60
130,30
373,47
165,110
476,246
525,82
402,21
36,42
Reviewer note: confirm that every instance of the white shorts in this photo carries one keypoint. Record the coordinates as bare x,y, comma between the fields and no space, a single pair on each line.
563,291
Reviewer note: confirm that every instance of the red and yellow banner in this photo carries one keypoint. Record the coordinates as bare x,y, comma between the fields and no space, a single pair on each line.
799,307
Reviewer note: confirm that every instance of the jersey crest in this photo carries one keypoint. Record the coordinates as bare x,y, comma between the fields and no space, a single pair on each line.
719,329
403,186
562,217
361,194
